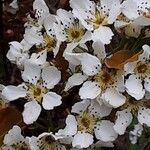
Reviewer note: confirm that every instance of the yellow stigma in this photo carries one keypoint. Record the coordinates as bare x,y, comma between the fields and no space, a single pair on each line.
133,104
74,33
105,78
99,19
36,92
142,69
86,122
47,143
49,42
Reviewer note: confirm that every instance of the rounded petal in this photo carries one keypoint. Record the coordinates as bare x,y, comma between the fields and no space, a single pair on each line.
31,112
13,136
90,64
98,110
146,54
71,127
74,80
143,116
80,106
124,118
113,98
104,131
12,92
38,58
89,90
82,140
147,84
31,72
102,34
51,76
134,87
51,100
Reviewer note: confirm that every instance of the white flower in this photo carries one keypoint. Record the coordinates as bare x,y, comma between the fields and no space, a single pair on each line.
138,11
14,140
137,131
95,17
140,72
18,52
46,141
69,28
41,10
36,89
132,107
86,123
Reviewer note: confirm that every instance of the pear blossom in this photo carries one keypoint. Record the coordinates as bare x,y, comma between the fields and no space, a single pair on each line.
14,140
36,89
138,11
132,107
88,122
96,16
139,72
46,141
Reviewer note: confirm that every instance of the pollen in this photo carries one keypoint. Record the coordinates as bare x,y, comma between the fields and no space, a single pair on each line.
74,33
36,92
49,42
142,69
86,122
133,104
99,18
105,78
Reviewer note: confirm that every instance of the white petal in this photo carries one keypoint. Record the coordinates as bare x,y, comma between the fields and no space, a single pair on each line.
146,54
129,67
51,100
38,58
51,76
113,98
31,72
13,136
49,24
89,90
82,140
142,21
134,87
102,34
90,64
12,92
147,84
33,36
31,112
130,9
124,118
99,50
98,110
71,126
74,80
143,116
104,131
80,106
41,10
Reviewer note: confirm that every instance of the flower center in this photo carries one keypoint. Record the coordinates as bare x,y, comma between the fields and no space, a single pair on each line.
74,33
147,13
20,146
105,78
133,104
47,143
49,42
36,92
143,69
99,18
86,122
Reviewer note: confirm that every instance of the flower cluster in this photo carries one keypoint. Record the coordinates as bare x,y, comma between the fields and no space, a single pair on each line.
109,97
